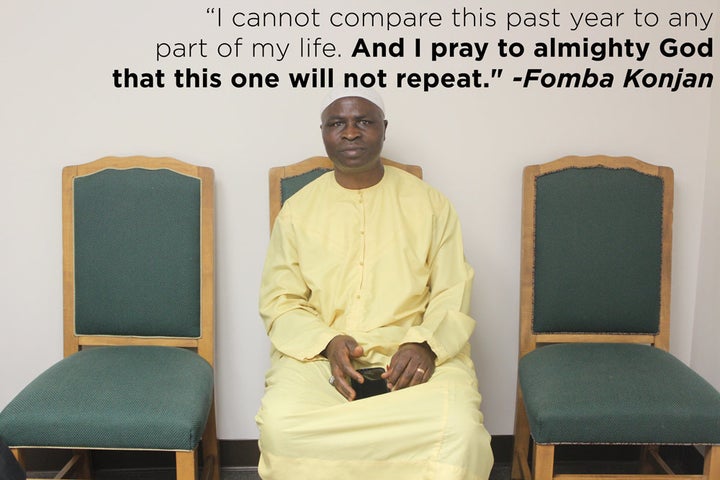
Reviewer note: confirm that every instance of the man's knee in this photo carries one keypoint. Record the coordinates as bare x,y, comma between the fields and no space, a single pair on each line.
465,428
273,428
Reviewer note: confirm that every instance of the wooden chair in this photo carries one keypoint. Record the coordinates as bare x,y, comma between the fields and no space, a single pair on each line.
138,280
595,320
285,181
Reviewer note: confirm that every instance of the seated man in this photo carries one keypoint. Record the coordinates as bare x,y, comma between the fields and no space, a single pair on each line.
365,268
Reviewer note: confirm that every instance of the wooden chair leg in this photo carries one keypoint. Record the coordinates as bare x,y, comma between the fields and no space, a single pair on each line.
543,461
186,465
712,462
521,444
19,456
210,449
83,468
77,467
647,459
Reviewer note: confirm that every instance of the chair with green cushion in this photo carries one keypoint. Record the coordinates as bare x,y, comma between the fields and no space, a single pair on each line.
594,364
286,180
138,282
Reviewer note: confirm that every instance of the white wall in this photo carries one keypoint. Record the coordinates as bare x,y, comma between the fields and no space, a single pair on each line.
58,107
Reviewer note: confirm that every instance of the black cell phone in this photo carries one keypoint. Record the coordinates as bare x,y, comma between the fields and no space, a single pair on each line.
373,385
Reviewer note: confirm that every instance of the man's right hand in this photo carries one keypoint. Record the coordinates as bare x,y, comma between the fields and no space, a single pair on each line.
340,351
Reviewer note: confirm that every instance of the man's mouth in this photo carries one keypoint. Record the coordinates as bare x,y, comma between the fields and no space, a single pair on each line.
352,151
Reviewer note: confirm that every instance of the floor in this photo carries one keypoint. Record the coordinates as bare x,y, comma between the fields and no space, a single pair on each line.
500,472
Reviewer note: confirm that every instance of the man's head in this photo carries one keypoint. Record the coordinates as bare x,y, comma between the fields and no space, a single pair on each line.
353,129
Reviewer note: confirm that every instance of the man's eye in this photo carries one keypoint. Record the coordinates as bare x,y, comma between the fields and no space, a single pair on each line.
364,122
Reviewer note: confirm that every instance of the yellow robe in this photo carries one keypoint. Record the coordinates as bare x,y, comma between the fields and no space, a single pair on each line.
385,265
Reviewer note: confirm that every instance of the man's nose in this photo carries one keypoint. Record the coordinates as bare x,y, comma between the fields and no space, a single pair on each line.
351,132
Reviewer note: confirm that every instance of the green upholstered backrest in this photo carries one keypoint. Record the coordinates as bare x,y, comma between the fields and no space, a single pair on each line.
289,186
598,251
137,253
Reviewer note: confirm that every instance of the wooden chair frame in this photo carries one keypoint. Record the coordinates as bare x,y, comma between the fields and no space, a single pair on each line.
544,455
276,174
204,345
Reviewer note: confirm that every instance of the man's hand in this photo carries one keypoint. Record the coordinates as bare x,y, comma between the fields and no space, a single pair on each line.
340,351
412,364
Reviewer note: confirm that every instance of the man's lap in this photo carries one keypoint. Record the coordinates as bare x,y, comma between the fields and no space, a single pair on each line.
302,413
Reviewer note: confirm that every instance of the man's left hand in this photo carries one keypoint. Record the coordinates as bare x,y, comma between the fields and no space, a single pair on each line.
412,364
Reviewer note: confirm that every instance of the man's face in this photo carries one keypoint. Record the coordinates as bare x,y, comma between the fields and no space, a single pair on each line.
353,130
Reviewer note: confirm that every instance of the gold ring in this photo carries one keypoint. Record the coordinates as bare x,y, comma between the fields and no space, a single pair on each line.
331,380
421,371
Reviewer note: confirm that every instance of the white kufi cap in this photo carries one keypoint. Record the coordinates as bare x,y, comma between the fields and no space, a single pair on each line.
366,93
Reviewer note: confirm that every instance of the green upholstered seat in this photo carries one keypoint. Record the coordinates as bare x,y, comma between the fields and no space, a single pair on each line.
114,397
616,394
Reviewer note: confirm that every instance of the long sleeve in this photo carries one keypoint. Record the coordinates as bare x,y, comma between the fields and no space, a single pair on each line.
293,325
446,325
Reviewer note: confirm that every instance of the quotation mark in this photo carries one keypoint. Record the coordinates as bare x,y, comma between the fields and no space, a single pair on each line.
494,73
211,10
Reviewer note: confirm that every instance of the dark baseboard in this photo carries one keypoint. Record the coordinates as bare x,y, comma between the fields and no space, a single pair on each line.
502,447
245,453
239,453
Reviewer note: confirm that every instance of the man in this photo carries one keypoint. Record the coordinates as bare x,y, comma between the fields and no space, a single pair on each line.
365,268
